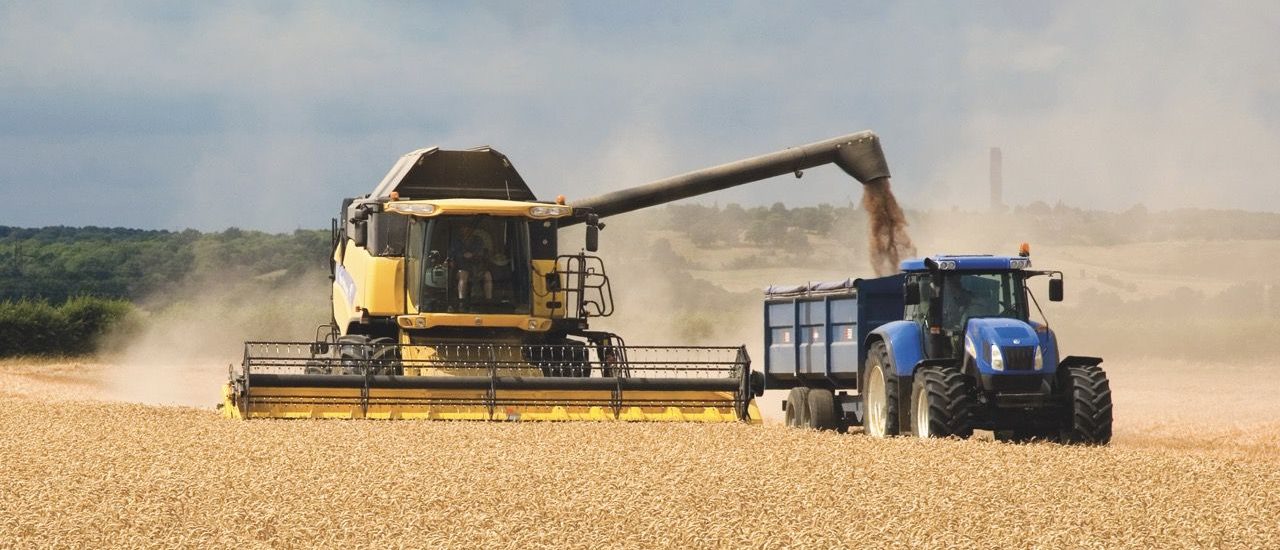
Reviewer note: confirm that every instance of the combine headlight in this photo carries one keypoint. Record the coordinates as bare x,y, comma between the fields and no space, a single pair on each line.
997,359
548,211
1039,358
418,209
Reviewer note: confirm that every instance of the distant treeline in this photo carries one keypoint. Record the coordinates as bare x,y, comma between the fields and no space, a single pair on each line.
61,288
74,327
58,263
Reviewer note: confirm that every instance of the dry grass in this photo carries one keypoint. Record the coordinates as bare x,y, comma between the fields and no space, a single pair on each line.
98,474
1184,471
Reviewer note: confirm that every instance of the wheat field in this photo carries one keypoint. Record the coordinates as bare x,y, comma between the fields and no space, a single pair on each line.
87,473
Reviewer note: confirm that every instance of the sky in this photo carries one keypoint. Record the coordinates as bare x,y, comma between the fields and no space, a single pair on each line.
263,115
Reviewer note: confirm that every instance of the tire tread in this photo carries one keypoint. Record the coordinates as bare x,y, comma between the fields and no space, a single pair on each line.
951,403
1090,412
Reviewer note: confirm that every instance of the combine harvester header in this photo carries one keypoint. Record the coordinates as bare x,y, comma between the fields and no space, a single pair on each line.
451,300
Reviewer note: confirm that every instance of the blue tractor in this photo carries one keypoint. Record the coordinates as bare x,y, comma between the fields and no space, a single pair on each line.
943,348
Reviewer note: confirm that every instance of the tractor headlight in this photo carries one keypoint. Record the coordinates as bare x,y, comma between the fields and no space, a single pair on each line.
997,359
1039,358
969,348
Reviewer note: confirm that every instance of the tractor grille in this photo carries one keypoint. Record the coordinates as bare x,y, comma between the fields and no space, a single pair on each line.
1019,357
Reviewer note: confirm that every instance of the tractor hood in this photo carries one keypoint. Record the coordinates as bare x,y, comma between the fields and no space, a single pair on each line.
1016,341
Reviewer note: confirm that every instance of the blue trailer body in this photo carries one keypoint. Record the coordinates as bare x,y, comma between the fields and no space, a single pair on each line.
814,333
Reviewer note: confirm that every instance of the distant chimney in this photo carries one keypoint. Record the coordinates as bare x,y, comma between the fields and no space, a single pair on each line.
997,180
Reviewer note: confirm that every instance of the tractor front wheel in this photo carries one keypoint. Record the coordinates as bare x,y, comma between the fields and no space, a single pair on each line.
941,403
1088,406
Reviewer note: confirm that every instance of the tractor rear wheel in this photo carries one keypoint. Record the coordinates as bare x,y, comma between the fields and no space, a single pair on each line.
822,410
879,394
1088,409
798,408
941,403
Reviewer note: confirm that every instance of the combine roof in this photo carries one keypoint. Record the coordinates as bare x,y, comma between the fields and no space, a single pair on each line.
435,173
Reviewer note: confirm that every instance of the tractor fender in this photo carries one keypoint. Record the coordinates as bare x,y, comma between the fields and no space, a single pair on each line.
1079,361
905,343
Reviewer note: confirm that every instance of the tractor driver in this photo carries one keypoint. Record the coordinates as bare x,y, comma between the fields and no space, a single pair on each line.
471,248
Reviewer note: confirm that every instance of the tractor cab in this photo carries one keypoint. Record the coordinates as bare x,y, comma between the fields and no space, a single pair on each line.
962,299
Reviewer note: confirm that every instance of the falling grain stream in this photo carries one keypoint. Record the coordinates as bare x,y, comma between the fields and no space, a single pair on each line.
889,242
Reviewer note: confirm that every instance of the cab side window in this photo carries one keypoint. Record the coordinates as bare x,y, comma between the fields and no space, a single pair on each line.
919,312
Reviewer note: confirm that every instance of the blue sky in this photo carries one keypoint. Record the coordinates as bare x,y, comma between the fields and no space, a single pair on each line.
263,115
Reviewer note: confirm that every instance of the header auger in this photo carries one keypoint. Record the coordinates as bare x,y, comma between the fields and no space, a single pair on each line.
452,301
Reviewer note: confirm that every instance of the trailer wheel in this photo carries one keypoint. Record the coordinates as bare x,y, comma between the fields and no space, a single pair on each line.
879,394
941,403
1088,411
822,410
798,408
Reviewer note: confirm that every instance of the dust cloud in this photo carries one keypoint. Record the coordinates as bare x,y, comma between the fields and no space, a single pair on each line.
183,348
887,230
656,301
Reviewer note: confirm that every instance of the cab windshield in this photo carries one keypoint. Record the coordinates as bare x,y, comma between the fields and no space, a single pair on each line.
469,264
968,295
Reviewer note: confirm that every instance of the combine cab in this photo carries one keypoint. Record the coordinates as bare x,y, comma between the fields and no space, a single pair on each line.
451,301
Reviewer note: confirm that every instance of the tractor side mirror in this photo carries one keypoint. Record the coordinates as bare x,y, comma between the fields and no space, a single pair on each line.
1055,290
911,294
552,282
593,238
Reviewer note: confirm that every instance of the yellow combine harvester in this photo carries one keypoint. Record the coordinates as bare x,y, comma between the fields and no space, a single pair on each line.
452,301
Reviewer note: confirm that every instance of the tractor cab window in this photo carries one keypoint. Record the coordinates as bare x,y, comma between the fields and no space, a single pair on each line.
969,295
919,312
469,264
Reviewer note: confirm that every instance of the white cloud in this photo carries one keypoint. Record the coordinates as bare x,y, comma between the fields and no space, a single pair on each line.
304,103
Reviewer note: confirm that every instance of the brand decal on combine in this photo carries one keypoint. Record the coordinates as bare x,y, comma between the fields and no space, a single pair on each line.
348,284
